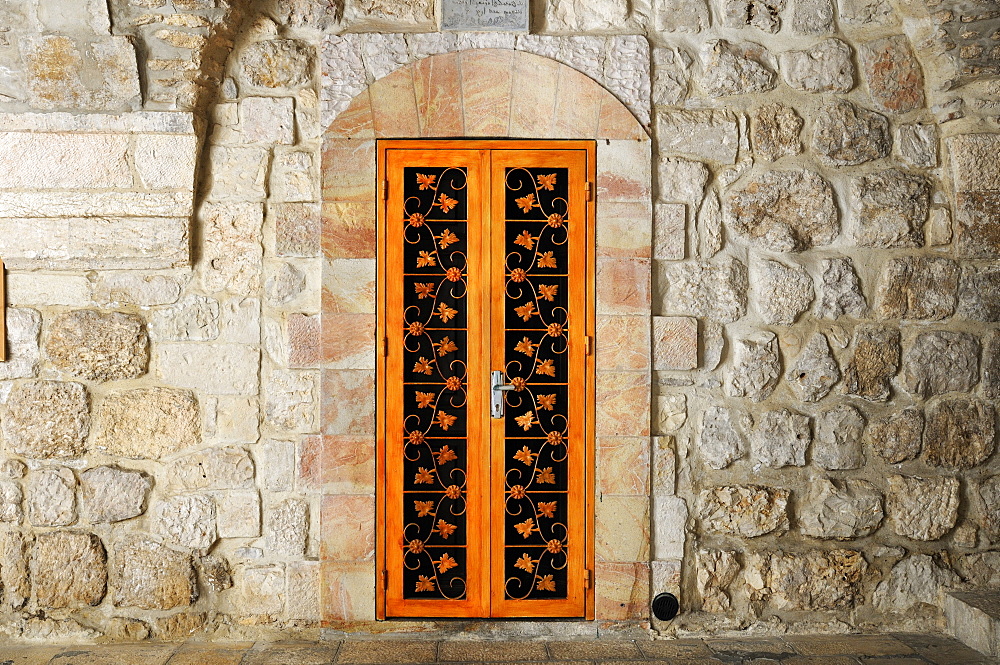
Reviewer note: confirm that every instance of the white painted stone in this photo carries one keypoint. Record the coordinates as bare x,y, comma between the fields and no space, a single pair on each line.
238,514
220,369
51,497
166,161
23,327
188,521
268,120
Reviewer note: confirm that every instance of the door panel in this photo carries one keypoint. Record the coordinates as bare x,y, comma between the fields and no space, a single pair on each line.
484,266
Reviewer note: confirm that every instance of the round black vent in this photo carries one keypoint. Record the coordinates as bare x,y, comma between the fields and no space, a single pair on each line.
665,606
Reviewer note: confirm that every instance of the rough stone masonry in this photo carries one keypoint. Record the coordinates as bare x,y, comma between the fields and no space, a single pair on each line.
182,451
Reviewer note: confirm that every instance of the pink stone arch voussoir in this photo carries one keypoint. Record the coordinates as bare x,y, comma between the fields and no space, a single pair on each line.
485,93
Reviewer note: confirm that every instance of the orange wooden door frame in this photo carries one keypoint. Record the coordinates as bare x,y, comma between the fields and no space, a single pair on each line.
485,162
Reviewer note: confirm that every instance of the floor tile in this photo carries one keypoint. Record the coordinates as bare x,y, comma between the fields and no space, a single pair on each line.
485,651
115,655
820,660
675,649
283,653
894,660
942,650
589,649
748,648
848,645
17,655
387,651
198,653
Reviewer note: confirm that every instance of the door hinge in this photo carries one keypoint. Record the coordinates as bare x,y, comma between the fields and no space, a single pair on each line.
590,191
588,579
385,580
385,190
589,345
385,347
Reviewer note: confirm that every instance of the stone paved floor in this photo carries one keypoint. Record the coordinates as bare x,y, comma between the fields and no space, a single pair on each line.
797,650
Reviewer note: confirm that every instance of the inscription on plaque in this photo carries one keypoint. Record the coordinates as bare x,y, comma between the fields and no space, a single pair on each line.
506,15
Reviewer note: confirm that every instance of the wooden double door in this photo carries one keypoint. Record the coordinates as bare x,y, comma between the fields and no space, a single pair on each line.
485,379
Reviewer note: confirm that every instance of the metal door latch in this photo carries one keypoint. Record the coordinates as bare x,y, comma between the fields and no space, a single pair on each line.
497,389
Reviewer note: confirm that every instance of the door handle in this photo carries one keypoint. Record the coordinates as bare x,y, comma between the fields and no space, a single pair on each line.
497,389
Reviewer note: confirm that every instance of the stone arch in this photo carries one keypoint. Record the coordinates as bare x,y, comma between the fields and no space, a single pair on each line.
480,93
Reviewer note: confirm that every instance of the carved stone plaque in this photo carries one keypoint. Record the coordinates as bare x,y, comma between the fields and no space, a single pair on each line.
505,15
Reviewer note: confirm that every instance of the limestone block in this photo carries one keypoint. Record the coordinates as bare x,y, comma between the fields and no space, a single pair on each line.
812,17
287,528
717,569
99,346
261,589
151,576
975,164
167,161
722,440
188,521
297,228
716,290
682,180
816,580
784,211
669,522
277,470
228,467
875,361
238,173
89,204
194,319
736,69
40,289
268,120
237,419
918,288
47,419
991,365
110,494
783,292
747,511
278,63
87,15
891,209
148,423
960,433
774,131
181,40
756,367
219,369
977,218
68,569
981,570
179,626
14,570
979,293
690,16
841,510
765,16
13,469
671,74
837,444
780,439
214,572
710,229
898,437
989,492
917,145
669,413
815,370
938,230
10,502
239,321
294,176
403,15
868,12
895,80
322,16
940,361
825,67
922,508
64,161
232,247
914,581
845,134
705,135
284,283
304,584
111,289
93,75
23,326
291,400
51,497
675,343
237,514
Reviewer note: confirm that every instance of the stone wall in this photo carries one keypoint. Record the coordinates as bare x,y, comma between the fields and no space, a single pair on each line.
826,357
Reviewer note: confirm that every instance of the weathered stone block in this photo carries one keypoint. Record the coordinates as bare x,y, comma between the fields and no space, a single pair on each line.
10,502
148,423
52,497
991,365
845,134
714,290
669,231
756,367
960,433
669,413
47,419
916,580
194,319
68,569
784,211
816,580
892,209
812,17
65,161
671,73
298,227
765,16
110,494
99,346
815,370
975,164
23,326
977,225
682,16
228,467
238,174
188,521
268,120
292,400
923,508
917,145
841,292
293,176
747,511
237,514
774,131
287,528
278,63
875,361
989,492
261,589
682,181
897,437
705,135
736,69
675,343
838,438
219,369
841,510
780,439
151,576
717,569
783,292
98,75
304,585
895,80
722,440
869,13
128,288
918,288
214,572
709,225
941,361
979,293
165,161
232,247
826,67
